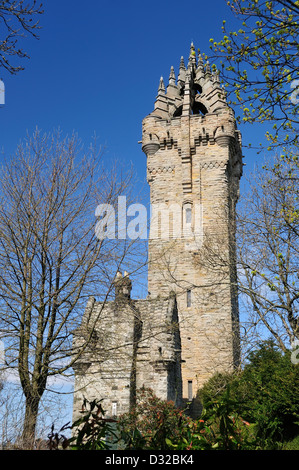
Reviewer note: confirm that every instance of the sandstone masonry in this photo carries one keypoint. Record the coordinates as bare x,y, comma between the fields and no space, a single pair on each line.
187,329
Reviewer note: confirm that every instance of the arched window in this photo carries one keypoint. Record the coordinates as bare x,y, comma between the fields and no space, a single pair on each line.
199,108
187,214
197,88
178,111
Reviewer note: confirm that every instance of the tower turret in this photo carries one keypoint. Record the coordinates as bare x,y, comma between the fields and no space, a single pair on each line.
123,287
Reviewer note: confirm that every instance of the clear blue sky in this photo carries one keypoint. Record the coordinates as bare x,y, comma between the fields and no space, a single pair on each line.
96,69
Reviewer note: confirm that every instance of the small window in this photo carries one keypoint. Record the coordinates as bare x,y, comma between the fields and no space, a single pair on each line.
188,213
190,392
114,408
188,298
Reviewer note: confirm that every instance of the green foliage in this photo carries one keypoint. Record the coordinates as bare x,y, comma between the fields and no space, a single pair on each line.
260,64
274,392
265,393
230,430
90,432
158,424
152,423
256,408
220,429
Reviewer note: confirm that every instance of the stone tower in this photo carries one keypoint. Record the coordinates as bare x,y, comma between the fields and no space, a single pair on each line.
194,164
187,327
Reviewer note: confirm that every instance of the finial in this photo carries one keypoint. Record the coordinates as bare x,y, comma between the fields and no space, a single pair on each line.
182,73
161,89
208,70
172,76
192,56
186,100
200,60
216,76
161,103
200,68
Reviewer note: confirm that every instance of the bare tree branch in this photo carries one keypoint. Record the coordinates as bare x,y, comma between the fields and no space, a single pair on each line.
16,19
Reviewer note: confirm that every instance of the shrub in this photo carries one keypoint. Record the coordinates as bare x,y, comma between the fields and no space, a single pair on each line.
158,424
151,422
266,393
90,432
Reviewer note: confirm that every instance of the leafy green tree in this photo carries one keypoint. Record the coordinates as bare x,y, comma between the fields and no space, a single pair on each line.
260,65
265,393
273,393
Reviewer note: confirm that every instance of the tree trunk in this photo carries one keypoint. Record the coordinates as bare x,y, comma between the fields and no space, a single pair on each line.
30,419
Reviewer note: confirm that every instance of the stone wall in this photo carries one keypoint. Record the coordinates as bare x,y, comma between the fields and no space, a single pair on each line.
129,344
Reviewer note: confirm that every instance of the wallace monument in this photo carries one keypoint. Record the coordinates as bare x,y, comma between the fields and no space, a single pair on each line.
187,328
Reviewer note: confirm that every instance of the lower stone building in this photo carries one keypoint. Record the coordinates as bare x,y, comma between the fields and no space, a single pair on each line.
130,344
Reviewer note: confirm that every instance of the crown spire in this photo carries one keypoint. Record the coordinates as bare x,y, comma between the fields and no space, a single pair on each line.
194,90
216,77
186,100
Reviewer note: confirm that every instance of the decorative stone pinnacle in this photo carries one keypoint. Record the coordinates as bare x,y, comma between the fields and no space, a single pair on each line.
208,69
200,60
192,56
216,76
182,72
182,64
172,76
161,89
